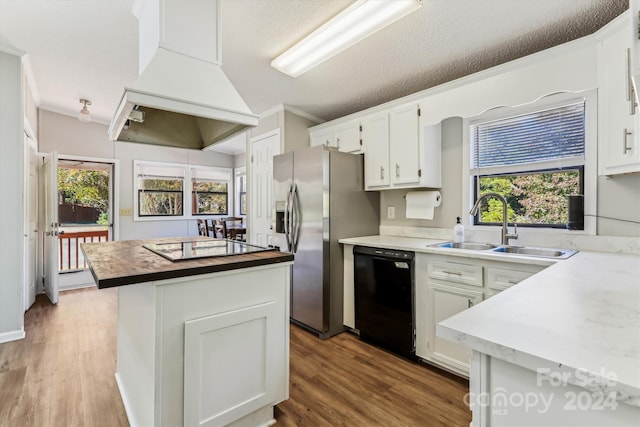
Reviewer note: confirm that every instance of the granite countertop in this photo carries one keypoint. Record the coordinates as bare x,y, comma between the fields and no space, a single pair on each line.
579,318
126,262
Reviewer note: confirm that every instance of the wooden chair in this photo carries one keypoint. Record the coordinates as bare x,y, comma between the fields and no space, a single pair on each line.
219,229
203,230
234,228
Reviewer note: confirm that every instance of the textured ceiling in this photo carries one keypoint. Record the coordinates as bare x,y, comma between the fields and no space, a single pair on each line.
88,48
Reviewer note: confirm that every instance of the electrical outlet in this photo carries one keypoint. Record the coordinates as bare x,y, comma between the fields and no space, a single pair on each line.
391,212
125,212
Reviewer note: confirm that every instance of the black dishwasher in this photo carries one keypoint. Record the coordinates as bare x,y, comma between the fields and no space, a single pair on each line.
384,298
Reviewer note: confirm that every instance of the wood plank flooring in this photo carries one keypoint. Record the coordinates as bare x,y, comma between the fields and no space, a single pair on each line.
62,374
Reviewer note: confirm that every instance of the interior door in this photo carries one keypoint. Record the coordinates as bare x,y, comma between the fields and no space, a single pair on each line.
30,228
263,148
50,256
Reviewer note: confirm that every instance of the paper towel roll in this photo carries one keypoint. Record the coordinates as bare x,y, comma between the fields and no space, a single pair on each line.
420,204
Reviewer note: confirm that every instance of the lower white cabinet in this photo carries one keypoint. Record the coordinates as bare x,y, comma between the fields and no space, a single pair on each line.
444,302
447,285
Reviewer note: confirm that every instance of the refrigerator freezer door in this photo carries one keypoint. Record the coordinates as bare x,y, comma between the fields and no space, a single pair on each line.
309,295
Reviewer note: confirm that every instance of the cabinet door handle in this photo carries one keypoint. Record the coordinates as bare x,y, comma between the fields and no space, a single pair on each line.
338,142
513,282
625,147
470,303
456,273
381,172
397,170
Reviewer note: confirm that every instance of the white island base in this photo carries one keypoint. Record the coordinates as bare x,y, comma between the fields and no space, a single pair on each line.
503,394
205,350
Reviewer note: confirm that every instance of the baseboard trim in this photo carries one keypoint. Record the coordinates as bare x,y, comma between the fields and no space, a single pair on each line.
12,336
125,401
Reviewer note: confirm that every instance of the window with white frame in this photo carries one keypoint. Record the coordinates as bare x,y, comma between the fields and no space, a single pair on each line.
159,189
241,191
162,190
210,189
534,157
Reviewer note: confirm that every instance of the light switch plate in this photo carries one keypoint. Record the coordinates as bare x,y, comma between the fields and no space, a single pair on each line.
391,212
125,212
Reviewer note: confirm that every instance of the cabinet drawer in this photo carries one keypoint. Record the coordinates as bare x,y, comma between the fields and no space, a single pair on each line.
501,279
456,272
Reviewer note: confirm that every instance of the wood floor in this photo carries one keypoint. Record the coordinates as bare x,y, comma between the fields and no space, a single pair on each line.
62,374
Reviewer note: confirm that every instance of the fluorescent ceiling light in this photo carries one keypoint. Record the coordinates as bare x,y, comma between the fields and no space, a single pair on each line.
355,23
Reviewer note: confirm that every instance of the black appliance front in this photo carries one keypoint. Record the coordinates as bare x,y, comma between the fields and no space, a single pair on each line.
384,298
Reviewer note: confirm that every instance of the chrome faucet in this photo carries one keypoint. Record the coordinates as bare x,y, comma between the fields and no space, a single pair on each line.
505,230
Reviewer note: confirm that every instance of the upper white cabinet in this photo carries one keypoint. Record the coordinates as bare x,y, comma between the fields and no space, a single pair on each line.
617,108
375,138
347,137
343,136
404,149
406,156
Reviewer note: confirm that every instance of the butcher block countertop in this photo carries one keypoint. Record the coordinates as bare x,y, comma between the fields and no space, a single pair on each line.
126,262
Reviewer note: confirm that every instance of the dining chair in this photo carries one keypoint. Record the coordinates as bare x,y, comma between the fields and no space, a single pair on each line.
202,227
219,229
235,228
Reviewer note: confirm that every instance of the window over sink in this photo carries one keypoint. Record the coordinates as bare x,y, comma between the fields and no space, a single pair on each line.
535,156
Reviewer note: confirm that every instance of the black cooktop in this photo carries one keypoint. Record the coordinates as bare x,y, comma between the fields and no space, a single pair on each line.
190,249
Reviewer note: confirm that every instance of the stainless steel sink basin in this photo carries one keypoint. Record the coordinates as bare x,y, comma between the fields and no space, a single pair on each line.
508,250
465,245
537,252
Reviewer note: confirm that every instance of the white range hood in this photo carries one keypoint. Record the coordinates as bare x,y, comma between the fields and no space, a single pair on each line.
182,97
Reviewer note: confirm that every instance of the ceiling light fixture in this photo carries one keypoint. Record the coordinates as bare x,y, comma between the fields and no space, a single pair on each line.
85,114
355,23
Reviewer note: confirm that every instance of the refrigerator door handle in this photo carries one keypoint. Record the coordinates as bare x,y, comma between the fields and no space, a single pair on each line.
287,219
295,219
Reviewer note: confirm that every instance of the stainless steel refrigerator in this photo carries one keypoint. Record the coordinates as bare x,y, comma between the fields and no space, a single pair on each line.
319,198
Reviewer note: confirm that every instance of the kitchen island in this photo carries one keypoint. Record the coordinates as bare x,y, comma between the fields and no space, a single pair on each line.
201,341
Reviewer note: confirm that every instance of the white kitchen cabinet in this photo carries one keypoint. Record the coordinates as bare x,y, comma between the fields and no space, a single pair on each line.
347,137
617,109
322,136
404,152
499,279
447,285
375,138
343,136
444,302
399,151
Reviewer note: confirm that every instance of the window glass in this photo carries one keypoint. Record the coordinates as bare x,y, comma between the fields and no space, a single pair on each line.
241,180
160,190
210,191
534,159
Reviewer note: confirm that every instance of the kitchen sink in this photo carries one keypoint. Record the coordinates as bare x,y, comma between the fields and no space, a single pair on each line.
508,250
465,245
538,252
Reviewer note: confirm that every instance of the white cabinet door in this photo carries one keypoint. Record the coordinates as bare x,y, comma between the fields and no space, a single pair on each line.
375,138
444,302
242,343
322,137
403,145
621,153
347,137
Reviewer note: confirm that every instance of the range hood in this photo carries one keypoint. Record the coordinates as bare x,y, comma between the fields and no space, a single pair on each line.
182,97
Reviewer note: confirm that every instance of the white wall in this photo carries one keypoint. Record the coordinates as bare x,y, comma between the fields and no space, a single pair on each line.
11,209
127,153
69,136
